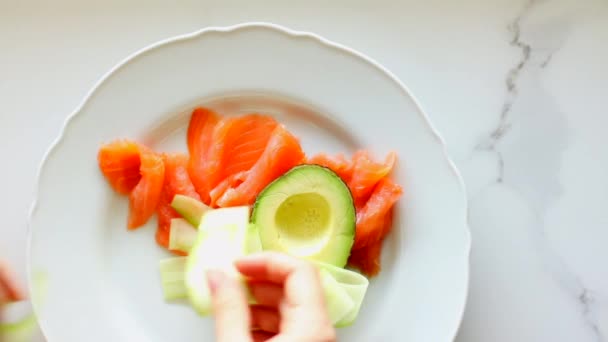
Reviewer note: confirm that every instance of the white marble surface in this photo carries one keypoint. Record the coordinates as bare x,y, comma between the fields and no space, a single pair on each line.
518,89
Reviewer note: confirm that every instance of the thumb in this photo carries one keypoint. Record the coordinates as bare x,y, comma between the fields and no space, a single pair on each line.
230,308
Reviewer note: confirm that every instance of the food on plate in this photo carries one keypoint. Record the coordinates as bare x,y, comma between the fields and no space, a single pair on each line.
145,196
173,278
190,208
119,162
308,212
133,169
224,235
282,152
222,238
182,235
338,163
200,140
367,173
176,182
330,209
374,194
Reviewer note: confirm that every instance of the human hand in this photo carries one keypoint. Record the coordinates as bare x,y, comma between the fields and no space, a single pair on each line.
291,304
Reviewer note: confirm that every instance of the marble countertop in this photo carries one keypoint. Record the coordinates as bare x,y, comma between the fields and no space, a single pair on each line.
518,90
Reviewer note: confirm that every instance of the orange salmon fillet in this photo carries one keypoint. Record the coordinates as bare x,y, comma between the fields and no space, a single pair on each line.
372,217
246,142
238,143
282,152
177,181
338,164
200,140
374,194
231,160
366,173
231,181
119,162
367,259
144,198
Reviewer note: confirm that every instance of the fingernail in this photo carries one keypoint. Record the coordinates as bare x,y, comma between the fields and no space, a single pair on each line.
214,279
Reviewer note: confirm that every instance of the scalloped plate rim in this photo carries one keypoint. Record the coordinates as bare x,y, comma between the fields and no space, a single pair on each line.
295,34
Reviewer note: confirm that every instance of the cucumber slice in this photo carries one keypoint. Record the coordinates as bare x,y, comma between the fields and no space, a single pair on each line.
19,322
182,236
350,284
222,238
225,235
190,209
172,278
337,301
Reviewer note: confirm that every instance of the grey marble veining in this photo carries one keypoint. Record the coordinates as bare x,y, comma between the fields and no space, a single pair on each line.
529,141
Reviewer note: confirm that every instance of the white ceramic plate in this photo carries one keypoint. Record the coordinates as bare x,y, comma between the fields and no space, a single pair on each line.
102,280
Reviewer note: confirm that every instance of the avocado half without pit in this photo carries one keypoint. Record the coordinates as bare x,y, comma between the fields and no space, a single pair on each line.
309,213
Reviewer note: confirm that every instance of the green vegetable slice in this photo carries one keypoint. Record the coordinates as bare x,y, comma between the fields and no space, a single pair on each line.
182,235
344,289
222,238
190,209
172,278
22,324
345,284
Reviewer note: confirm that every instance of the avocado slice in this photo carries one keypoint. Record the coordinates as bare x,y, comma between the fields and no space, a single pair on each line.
190,209
309,213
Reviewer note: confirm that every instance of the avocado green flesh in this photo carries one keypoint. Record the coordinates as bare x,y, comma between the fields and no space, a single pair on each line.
308,212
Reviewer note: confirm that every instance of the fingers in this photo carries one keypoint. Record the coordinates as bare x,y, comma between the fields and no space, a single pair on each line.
231,311
266,319
302,307
269,266
266,294
261,336
299,278
303,310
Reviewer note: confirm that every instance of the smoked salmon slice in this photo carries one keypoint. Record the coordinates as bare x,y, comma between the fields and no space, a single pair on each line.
338,164
177,181
200,140
282,152
230,161
119,162
374,194
231,181
367,259
367,173
372,217
246,142
238,143
145,196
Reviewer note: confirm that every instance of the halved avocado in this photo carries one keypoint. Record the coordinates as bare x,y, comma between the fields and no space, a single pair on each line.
309,213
